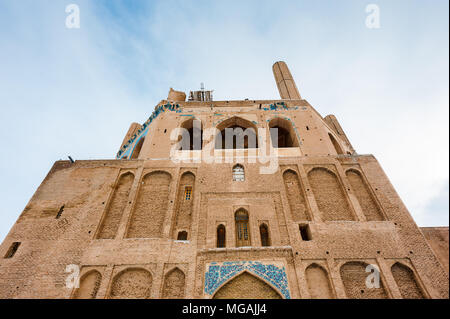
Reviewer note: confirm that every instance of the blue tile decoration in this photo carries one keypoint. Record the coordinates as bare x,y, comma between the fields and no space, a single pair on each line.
218,274
128,148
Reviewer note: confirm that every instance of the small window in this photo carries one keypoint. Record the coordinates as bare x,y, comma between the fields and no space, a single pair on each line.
264,232
12,250
187,193
58,215
238,173
221,235
182,235
305,232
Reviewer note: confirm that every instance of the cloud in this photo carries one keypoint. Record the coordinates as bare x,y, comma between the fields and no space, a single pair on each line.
75,92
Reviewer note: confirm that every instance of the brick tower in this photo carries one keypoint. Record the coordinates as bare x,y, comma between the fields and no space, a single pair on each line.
284,209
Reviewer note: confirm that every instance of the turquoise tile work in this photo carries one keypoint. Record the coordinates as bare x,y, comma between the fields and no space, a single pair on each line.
219,273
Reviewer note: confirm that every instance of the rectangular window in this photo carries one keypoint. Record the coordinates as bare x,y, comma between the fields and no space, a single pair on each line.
187,193
12,250
305,232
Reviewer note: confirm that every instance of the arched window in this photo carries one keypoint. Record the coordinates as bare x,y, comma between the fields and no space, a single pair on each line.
221,236
264,232
282,133
182,235
242,229
194,140
336,145
238,173
236,133
137,149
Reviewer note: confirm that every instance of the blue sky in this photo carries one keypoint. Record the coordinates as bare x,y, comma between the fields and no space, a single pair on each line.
75,91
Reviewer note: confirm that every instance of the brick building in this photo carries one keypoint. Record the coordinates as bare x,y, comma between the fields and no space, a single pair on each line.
287,209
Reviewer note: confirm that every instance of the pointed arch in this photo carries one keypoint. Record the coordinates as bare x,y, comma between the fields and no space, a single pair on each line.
264,234
236,133
295,195
242,228
282,133
174,284
137,149
151,206
336,145
89,285
221,236
319,285
406,282
246,286
194,141
365,198
354,275
116,206
184,204
132,283
329,195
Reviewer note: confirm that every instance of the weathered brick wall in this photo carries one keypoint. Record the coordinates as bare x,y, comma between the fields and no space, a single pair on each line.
117,220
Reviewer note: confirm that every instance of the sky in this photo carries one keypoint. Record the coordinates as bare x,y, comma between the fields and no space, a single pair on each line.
76,91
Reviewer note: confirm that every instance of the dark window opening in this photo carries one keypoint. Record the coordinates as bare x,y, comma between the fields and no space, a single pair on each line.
264,232
12,250
58,215
221,236
305,232
182,235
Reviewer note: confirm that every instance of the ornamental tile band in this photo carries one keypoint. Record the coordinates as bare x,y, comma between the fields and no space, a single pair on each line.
219,273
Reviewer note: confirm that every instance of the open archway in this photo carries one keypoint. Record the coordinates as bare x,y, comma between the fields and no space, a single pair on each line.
191,137
282,133
246,286
236,133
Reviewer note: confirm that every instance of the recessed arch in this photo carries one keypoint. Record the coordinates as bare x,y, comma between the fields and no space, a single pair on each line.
295,195
364,195
406,281
151,206
246,285
329,194
116,206
236,133
282,133
319,285
131,283
184,205
193,141
137,149
336,145
174,284
89,285
354,275
241,218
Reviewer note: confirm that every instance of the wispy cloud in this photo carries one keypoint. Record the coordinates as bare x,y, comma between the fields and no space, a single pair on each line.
76,91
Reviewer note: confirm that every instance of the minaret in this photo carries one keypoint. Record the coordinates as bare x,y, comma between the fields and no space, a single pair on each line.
285,82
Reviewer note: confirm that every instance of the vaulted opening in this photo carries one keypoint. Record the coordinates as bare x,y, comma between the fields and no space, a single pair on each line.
236,133
192,136
282,133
